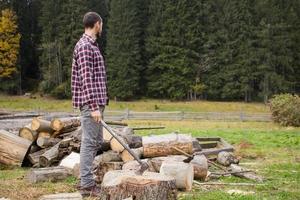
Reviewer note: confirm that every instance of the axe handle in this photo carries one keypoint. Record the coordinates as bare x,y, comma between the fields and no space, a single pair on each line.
182,152
109,129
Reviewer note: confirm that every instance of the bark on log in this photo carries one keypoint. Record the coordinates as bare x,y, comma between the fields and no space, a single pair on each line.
45,142
183,173
161,145
44,134
62,196
47,174
50,156
41,125
135,166
13,148
126,156
108,156
27,133
119,185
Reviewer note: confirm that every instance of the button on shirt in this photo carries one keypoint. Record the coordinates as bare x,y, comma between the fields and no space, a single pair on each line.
88,80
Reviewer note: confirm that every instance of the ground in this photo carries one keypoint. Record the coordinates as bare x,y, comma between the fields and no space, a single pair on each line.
272,150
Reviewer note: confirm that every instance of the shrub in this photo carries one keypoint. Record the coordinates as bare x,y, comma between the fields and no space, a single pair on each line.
285,109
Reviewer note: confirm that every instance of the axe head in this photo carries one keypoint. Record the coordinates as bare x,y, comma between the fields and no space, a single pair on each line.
143,167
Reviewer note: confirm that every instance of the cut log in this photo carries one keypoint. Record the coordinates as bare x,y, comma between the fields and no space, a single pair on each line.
13,148
200,167
136,142
126,156
183,173
45,142
50,156
27,133
47,174
105,167
35,157
44,134
41,125
62,196
199,162
235,169
161,145
116,146
34,148
65,124
70,161
226,158
118,185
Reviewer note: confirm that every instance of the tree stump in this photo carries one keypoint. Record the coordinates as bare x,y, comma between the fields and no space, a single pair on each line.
118,185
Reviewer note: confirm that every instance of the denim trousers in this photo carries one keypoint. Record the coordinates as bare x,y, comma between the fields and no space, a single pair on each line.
91,140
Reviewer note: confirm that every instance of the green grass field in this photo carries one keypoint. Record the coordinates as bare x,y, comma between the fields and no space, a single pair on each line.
272,150
48,104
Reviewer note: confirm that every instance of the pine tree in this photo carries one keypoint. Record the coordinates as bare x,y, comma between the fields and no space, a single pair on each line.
123,49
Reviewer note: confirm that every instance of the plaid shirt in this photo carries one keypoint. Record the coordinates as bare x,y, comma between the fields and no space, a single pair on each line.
88,81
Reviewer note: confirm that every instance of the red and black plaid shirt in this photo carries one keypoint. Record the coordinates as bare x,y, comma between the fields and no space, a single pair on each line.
88,75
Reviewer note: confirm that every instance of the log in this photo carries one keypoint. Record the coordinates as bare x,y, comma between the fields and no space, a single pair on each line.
34,148
226,158
62,196
239,172
13,148
161,145
47,174
41,125
45,142
105,167
126,156
200,167
108,156
44,134
27,133
183,173
35,157
66,124
50,156
135,142
121,184
70,161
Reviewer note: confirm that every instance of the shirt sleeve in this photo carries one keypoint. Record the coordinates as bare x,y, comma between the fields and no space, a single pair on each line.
85,63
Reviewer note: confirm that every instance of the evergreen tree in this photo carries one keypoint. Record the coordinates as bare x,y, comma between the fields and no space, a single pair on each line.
123,49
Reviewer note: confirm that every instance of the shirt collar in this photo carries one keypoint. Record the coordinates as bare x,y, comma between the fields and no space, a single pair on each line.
89,38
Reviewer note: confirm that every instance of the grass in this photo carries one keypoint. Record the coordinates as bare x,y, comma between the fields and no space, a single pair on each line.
272,150
22,103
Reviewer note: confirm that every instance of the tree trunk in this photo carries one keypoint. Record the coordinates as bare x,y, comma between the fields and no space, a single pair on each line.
27,133
118,185
35,157
13,148
47,174
50,156
200,167
161,145
183,173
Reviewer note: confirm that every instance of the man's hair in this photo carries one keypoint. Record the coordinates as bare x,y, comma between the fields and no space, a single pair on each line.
90,19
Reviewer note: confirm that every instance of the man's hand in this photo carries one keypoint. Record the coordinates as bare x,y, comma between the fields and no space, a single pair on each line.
96,115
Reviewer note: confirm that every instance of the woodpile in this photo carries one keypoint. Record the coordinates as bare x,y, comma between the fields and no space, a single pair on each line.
52,148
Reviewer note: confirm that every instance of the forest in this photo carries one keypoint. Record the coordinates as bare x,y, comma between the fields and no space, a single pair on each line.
233,50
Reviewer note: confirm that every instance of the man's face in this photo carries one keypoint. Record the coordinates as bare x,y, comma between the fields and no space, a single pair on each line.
98,28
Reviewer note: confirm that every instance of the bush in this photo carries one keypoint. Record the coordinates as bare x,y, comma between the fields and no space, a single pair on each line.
285,109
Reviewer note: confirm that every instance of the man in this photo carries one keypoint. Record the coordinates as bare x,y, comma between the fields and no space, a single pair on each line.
89,94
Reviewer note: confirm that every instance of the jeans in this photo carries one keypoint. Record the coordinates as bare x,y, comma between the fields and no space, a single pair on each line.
92,138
